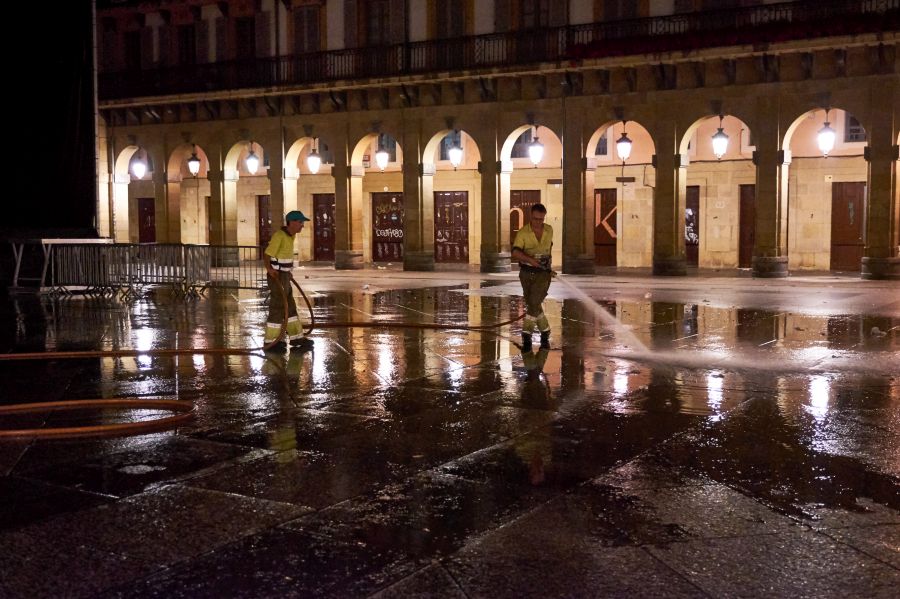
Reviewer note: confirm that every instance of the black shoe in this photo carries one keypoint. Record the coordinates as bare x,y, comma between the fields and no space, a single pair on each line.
545,339
303,344
280,346
526,341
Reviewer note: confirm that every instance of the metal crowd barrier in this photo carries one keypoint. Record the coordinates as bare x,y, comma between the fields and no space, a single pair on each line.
128,267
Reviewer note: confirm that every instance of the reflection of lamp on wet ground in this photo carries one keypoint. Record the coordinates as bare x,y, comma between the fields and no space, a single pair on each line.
252,161
455,154
193,162
536,150
826,136
381,156
720,141
313,160
138,168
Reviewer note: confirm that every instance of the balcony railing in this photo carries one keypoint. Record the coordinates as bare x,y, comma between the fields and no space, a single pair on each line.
750,25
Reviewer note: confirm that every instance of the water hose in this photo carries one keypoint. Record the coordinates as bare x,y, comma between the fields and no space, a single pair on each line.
184,410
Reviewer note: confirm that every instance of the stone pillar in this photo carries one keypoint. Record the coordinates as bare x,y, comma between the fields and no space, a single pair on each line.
191,211
770,252
216,205
494,211
881,255
418,248
347,211
577,230
164,216
668,207
120,216
276,187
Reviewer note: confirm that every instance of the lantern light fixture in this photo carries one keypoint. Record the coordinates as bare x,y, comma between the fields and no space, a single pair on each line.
623,146
381,156
826,136
193,163
138,168
313,160
720,141
536,150
455,154
252,161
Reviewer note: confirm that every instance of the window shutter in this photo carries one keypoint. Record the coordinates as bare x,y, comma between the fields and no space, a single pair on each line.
398,21
146,48
559,13
351,24
263,29
221,49
202,41
501,15
165,45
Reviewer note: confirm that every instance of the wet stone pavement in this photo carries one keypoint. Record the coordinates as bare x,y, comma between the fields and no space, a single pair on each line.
691,437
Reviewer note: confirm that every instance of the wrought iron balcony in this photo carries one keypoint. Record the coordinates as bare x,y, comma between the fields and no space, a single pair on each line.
751,25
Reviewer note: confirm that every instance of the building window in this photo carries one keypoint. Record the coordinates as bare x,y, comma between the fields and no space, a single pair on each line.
451,139
451,19
306,29
683,6
187,44
853,130
534,13
615,10
133,50
602,148
245,37
520,148
378,22
390,144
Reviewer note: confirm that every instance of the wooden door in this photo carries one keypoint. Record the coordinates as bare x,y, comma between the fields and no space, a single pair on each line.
146,220
747,224
605,232
692,225
263,221
387,227
451,226
323,226
520,203
848,204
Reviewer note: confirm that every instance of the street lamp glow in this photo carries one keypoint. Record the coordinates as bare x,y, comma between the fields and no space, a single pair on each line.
455,154
139,168
381,158
193,163
720,141
825,138
252,162
623,147
536,152
313,161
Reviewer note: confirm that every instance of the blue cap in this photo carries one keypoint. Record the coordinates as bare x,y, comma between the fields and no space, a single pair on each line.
295,215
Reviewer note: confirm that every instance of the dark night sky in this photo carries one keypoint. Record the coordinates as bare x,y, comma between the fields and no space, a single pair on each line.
49,107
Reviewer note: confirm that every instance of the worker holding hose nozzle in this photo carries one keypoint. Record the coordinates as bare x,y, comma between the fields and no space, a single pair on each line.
278,259
531,248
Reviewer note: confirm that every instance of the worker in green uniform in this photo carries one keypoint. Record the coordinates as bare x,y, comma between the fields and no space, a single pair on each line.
531,249
278,259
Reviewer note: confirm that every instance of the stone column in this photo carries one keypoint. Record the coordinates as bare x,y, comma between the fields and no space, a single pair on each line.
347,209
276,187
165,219
668,206
494,211
418,232
770,252
577,233
216,205
120,217
881,255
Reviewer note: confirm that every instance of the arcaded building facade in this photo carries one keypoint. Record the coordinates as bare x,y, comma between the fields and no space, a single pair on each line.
436,125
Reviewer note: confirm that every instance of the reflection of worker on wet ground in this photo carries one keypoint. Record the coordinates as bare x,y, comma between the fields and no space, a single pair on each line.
278,259
531,249
535,449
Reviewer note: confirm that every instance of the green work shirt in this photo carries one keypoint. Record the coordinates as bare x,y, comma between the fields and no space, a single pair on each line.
528,242
281,250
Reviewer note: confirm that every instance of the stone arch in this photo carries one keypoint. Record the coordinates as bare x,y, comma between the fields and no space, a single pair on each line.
301,188
131,195
248,218
456,236
187,196
717,234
